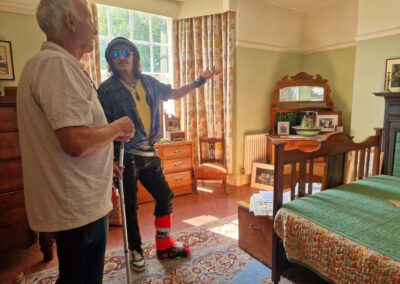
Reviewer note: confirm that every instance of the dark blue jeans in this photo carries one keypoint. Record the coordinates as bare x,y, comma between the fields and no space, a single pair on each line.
81,253
148,170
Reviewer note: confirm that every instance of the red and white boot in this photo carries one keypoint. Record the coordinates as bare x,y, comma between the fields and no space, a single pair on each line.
166,247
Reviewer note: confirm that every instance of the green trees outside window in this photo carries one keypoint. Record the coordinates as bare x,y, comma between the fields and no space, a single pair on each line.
150,33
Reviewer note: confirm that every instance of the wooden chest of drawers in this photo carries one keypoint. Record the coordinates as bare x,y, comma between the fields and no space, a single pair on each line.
177,163
255,234
14,228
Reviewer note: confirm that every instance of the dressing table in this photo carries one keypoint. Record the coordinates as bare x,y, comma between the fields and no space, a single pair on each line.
292,97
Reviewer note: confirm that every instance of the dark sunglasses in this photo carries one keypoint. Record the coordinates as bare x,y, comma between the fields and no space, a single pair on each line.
125,53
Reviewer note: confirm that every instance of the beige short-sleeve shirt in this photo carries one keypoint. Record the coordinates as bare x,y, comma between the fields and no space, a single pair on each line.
61,192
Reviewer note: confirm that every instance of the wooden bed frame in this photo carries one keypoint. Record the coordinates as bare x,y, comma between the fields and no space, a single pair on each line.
334,148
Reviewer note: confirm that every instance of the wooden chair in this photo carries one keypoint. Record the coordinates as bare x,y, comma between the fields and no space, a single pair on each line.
211,167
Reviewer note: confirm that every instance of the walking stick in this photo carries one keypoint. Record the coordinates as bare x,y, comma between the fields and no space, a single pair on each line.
122,201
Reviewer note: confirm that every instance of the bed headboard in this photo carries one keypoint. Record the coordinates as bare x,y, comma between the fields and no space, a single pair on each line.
333,149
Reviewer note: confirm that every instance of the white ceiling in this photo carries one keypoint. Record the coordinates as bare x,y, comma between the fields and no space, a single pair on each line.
302,6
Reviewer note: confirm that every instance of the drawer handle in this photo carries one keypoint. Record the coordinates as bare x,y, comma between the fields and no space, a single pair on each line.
177,164
255,228
178,178
177,150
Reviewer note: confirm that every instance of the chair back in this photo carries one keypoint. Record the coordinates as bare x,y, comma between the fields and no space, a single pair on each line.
212,150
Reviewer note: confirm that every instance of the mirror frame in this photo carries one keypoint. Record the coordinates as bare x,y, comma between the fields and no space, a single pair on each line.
303,79
300,79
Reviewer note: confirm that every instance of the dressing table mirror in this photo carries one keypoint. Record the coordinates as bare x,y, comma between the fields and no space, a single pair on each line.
293,96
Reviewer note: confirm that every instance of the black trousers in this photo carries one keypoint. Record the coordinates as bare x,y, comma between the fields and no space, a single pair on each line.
81,253
148,170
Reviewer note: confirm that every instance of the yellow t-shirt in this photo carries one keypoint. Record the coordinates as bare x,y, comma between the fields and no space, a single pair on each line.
139,96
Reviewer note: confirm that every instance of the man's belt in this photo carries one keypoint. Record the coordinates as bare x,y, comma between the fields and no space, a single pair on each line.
142,153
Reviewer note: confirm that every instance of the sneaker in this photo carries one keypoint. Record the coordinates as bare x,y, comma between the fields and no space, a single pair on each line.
176,251
137,261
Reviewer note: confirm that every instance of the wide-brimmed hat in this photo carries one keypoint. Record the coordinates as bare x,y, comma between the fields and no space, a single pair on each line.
118,41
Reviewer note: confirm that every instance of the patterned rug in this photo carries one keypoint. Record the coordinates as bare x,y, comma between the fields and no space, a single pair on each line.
215,258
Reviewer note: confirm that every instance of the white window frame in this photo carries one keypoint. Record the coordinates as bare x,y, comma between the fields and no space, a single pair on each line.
161,76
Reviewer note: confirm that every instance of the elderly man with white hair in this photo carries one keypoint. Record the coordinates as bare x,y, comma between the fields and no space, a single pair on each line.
66,143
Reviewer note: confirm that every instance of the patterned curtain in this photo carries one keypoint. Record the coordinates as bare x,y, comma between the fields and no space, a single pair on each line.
92,60
199,43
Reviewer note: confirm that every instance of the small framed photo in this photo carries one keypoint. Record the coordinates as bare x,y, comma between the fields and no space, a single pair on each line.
392,75
283,128
262,176
327,121
339,128
6,62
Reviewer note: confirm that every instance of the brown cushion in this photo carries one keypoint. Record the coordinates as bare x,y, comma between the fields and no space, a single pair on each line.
211,171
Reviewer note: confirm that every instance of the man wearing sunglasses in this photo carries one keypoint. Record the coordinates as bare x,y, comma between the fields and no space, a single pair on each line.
130,93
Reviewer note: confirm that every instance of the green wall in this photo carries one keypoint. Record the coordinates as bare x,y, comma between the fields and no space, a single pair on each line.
369,77
337,66
26,39
256,73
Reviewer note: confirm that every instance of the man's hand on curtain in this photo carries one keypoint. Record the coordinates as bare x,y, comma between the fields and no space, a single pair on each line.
184,90
210,73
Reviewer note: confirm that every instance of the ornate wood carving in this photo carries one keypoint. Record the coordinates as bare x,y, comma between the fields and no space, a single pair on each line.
300,79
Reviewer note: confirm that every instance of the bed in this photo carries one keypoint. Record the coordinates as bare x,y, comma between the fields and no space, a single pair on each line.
348,233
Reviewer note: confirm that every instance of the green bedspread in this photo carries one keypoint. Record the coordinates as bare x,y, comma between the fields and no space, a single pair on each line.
360,211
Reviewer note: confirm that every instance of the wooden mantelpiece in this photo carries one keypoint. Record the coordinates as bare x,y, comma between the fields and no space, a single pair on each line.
391,128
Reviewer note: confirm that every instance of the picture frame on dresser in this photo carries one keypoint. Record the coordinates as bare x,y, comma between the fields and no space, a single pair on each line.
283,128
6,61
392,75
339,128
327,120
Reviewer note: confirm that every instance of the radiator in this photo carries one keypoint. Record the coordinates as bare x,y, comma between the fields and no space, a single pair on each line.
255,150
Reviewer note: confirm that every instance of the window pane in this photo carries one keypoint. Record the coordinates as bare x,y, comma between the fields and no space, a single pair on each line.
169,107
160,29
144,51
119,22
102,20
103,45
160,57
141,26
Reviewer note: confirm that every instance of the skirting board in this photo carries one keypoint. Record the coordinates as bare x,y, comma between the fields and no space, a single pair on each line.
238,180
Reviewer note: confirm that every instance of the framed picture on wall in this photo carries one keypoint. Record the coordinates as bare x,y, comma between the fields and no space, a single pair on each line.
392,82
6,62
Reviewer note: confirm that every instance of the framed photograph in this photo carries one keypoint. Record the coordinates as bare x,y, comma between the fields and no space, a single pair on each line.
339,128
262,176
327,121
283,128
6,63
393,71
